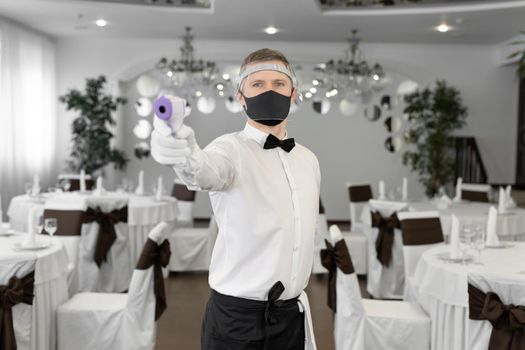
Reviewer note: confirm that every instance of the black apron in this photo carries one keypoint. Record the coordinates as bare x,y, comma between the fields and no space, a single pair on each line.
232,323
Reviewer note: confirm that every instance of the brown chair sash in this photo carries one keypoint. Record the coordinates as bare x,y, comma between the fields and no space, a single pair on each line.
334,257
159,257
69,222
321,206
508,321
362,193
475,196
75,184
106,233
385,236
182,193
18,290
421,231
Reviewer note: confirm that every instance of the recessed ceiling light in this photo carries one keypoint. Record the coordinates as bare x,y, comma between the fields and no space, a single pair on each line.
101,22
271,30
443,28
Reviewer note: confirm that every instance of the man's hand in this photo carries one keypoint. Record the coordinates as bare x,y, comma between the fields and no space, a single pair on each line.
171,149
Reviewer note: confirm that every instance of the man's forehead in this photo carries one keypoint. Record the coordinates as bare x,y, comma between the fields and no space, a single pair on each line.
267,70
267,75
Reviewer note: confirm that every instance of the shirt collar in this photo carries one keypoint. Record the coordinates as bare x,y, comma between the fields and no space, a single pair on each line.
256,134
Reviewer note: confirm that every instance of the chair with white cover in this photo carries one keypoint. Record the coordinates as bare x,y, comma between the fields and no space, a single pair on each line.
475,192
104,263
119,321
69,217
74,181
185,200
365,324
17,281
385,276
496,311
420,231
358,195
192,247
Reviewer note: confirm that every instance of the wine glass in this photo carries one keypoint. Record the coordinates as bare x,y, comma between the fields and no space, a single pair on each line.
28,186
465,239
478,240
67,185
50,225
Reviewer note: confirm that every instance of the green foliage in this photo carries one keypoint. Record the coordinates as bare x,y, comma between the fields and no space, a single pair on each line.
520,71
433,115
91,138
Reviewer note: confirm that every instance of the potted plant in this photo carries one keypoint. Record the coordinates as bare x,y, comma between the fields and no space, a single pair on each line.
521,53
92,150
433,115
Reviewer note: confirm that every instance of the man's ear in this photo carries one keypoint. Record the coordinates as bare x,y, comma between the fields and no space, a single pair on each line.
239,98
294,95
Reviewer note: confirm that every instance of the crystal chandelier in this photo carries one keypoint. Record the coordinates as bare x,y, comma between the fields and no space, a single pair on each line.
190,77
351,74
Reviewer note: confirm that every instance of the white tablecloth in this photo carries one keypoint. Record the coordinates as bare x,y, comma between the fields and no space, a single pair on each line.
441,288
144,212
50,288
510,225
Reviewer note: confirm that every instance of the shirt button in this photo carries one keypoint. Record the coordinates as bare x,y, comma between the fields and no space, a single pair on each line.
296,248
293,278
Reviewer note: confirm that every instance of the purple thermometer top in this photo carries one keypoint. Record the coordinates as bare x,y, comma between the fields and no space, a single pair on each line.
163,108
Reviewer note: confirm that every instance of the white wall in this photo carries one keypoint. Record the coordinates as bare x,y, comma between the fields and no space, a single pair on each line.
349,149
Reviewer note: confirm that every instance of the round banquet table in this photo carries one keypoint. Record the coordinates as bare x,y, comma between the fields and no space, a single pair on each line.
144,212
441,289
510,225
50,290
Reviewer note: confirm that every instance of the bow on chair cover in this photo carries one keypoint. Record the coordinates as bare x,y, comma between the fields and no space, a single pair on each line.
385,237
334,257
18,290
508,321
106,233
159,257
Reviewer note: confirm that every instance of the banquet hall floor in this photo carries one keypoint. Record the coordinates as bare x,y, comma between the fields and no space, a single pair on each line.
187,294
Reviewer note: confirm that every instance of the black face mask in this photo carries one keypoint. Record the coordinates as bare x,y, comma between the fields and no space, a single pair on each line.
269,108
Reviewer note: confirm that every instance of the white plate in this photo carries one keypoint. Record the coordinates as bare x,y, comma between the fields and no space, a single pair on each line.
446,257
499,246
36,246
8,232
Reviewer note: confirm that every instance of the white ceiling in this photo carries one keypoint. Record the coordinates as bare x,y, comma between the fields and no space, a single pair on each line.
298,20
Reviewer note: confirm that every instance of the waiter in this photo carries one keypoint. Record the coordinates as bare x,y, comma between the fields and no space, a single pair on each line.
264,191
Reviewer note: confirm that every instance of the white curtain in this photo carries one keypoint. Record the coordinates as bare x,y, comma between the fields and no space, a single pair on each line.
28,104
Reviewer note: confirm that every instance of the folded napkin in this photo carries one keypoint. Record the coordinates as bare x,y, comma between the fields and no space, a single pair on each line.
158,195
140,187
382,194
35,190
454,238
82,181
492,236
510,202
335,234
404,189
443,202
99,189
459,182
502,201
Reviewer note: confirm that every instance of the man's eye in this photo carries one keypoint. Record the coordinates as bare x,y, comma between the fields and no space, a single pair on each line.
256,85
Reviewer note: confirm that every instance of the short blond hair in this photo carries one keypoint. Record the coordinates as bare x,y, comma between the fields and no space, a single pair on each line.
264,55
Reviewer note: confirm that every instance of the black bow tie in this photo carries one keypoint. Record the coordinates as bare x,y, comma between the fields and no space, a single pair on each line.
272,142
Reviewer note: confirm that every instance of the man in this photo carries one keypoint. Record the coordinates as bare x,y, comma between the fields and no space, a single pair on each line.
264,190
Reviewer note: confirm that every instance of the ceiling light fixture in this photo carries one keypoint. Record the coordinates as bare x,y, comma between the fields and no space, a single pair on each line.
271,30
101,22
443,28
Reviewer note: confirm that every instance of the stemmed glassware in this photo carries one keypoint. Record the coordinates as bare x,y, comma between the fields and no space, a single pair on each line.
28,186
50,225
465,240
478,240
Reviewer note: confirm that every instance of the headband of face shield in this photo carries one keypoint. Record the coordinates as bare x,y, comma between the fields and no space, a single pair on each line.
269,108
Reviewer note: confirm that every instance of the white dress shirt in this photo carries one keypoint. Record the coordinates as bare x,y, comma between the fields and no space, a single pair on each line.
266,203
